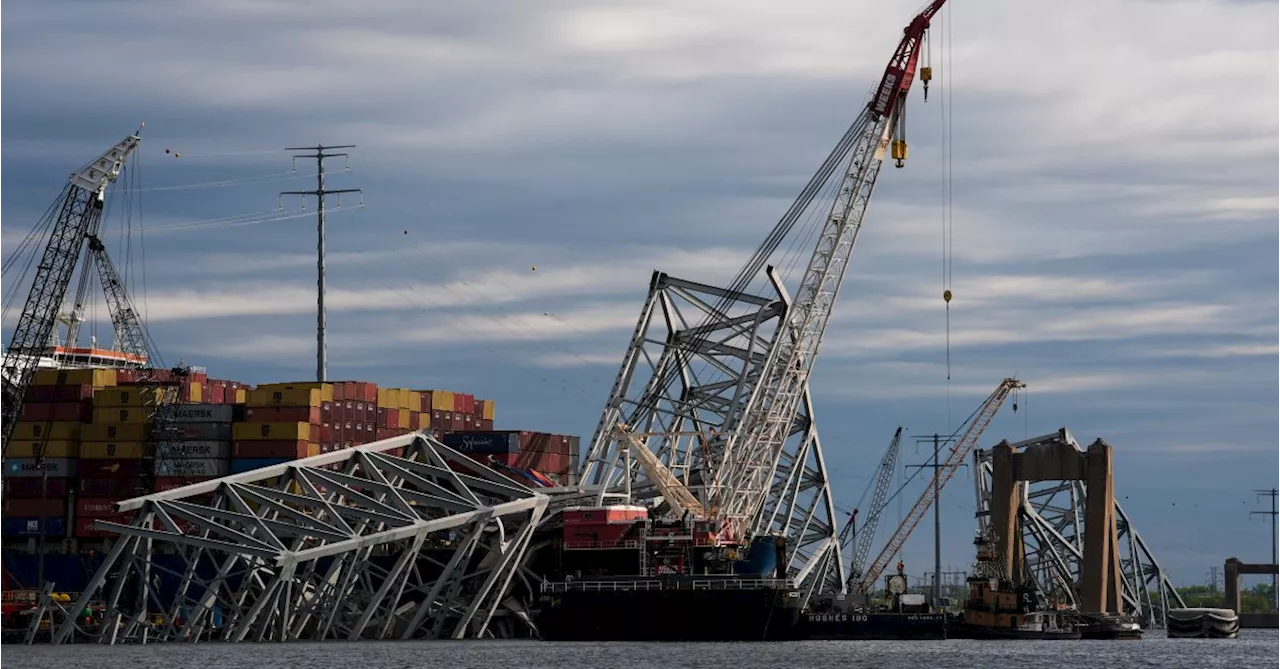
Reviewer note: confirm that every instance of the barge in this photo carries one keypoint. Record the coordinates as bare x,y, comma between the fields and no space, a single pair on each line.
626,576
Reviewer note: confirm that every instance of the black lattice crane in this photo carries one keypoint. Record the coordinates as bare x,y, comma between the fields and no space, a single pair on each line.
73,229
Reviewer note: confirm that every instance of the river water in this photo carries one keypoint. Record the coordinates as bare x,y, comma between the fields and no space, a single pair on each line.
1253,649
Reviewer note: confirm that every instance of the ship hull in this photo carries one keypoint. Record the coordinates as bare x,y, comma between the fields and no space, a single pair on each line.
746,614
958,629
875,626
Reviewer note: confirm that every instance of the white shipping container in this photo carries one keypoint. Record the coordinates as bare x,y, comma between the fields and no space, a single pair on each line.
196,449
198,467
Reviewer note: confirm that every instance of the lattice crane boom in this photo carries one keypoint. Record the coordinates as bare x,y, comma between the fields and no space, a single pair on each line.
79,212
750,455
963,448
867,534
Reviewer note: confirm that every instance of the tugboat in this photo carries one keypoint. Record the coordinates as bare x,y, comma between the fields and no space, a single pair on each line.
997,608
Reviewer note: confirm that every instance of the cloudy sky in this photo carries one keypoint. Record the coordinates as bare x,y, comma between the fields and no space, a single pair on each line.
1113,170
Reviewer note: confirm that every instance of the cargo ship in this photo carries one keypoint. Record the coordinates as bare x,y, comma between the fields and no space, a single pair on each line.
82,441
626,574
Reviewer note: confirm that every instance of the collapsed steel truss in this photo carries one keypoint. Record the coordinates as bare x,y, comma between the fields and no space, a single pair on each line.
402,538
1053,539
685,381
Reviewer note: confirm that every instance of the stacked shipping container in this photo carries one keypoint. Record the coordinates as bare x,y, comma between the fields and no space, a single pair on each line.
89,430
554,455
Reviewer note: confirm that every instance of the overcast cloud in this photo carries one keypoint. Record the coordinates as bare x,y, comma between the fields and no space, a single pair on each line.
1114,207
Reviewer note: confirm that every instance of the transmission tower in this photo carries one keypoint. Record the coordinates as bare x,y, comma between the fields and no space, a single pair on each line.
319,156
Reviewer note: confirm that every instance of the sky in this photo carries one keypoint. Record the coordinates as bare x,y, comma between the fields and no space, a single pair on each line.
1112,209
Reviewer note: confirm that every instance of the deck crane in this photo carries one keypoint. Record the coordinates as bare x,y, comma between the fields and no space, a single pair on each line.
867,534
75,232
963,448
749,457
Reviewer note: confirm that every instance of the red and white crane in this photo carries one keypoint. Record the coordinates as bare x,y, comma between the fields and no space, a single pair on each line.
749,457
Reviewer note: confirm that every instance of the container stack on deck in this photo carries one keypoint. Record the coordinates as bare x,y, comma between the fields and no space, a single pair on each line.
89,430
282,423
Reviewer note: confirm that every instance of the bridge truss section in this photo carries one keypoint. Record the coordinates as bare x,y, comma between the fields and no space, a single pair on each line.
684,384
1053,515
403,538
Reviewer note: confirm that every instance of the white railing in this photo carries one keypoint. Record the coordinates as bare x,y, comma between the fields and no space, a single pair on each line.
662,584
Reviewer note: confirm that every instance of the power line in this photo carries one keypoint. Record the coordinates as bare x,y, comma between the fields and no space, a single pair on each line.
937,442
319,193
1272,493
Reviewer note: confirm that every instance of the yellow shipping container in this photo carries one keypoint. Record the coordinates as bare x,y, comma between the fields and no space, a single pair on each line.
44,449
415,400
424,421
402,419
296,397
133,396
486,409
255,431
59,431
241,394
196,394
113,450
115,432
326,389
99,378
122,415
441,400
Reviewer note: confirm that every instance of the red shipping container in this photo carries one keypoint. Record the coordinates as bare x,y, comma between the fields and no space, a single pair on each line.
269,448
326,412
85,529
261,414
48,507
164,483
29,487
103,486
358,390
74,411
326,432
62,393
468,404
217,395
90,507
339,392
383,417
109,468
297,415
484,425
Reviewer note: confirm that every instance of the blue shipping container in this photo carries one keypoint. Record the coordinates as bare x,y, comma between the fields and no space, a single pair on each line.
30,527
483,442
242,465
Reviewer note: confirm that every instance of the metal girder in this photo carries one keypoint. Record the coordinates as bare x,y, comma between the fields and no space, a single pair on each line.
402,538
1053,540
711,359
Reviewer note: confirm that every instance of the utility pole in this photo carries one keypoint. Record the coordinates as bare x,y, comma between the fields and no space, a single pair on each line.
937,442
1272,493
320,192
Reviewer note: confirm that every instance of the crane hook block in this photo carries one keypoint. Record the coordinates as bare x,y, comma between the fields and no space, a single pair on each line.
926,74
946,296
899,151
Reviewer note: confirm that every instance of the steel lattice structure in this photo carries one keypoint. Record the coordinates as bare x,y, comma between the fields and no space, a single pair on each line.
687,376
1053,539
402,538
